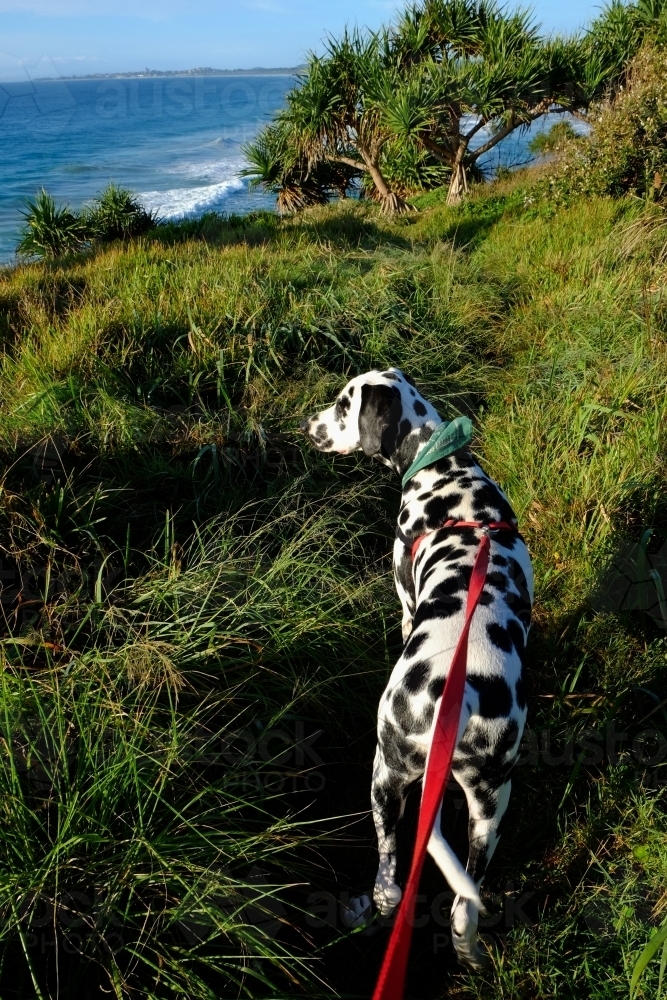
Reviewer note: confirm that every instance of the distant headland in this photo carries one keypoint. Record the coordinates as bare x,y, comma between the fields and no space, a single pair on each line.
199,71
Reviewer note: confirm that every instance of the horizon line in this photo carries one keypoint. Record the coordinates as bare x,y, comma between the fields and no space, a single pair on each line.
197,71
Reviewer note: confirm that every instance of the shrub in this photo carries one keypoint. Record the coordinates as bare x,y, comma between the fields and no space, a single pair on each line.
50,230
54,231
626,151
549,142
117,215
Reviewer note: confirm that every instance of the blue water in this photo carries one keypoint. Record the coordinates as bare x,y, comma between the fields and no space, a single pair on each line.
176,142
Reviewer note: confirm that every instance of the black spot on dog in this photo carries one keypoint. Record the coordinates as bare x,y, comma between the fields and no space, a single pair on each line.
495,697
487,495
486,598
418,526
404,516
405,717
436,687
419,408
497,580
351,391
517,636
443,466
499,561
412,392
414,644
518,577
413,484
520,694
450,585
442,553
499,636
389,800
506,742
390,375
465,536
418,760
438,509
320,432
425,496
394,747
431,610
403,430
341,407
506,539
417,676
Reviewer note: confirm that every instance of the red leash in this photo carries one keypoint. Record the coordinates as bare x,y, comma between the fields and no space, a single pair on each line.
438,766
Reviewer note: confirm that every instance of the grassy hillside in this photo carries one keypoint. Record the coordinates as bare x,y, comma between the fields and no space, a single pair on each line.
190,596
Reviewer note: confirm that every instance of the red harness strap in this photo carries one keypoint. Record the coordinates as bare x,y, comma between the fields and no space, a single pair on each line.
438,766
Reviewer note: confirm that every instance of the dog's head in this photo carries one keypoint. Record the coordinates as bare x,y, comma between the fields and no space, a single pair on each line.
380,413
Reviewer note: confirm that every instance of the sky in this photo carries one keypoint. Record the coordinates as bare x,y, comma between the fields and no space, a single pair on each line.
77,37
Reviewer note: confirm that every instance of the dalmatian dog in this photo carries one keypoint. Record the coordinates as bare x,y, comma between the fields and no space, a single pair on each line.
383,415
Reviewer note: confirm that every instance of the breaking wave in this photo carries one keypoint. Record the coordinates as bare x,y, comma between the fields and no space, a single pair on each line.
183,202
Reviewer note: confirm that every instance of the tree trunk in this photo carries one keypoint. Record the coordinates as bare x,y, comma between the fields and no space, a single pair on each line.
458,186
391,203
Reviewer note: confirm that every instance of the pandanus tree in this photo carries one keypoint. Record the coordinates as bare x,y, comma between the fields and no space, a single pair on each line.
434,93
332,125
469,70
615,37
277,164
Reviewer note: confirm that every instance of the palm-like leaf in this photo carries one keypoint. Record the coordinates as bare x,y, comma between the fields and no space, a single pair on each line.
419,92
50,230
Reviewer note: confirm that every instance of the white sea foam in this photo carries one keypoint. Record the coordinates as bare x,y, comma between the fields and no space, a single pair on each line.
183,203
214,181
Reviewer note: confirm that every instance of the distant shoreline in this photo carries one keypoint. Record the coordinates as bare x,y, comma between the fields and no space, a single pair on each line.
148,74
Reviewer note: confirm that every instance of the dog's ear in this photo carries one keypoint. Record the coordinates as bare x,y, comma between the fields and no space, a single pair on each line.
375,415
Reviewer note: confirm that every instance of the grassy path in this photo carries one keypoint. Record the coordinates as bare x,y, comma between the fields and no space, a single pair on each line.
188,598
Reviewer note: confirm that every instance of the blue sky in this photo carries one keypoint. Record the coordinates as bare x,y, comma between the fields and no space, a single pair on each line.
49,37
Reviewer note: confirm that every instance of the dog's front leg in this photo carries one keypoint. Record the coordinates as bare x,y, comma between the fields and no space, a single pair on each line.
404,586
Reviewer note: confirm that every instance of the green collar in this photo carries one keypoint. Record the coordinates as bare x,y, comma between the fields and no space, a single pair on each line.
447,438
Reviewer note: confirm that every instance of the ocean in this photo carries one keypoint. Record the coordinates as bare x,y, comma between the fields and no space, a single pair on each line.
175,141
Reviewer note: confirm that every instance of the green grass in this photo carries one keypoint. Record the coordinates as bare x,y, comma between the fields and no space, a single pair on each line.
187,567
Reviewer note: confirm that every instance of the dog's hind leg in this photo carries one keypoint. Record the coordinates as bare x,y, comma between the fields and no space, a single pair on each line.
388,800
483,838
485,781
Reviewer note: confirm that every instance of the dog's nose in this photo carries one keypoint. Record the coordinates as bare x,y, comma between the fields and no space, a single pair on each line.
304,425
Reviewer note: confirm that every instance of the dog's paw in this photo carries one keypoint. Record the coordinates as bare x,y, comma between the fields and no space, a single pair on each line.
358,911
474,957
386,897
